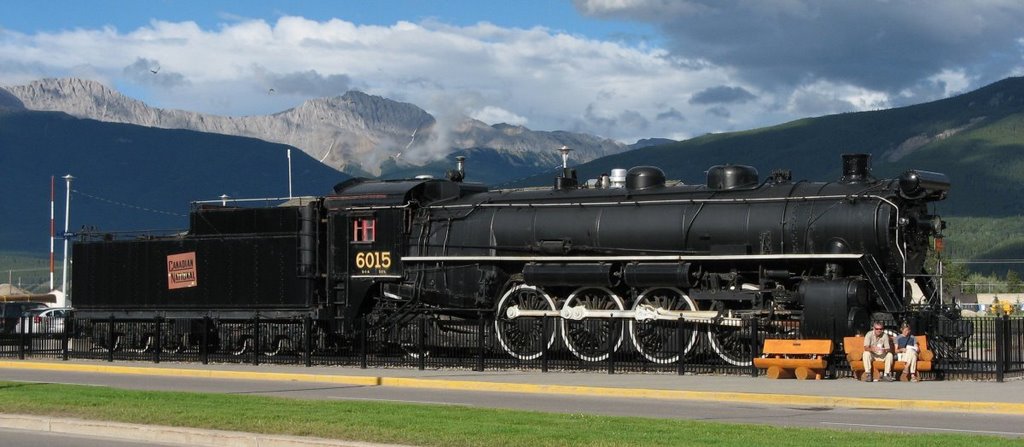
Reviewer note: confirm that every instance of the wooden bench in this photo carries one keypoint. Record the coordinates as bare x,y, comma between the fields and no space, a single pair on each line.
854,347
803,359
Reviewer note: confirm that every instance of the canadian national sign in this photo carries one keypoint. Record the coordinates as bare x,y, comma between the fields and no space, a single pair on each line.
181,270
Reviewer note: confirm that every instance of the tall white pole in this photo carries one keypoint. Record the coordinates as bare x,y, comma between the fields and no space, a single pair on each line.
289,173
52,229
67,222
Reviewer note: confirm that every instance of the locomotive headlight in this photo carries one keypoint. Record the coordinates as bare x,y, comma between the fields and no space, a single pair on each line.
931,224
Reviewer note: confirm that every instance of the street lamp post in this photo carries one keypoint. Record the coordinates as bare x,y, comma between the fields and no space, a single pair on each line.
67,222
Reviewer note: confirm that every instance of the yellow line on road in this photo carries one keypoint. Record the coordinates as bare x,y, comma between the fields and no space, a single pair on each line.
525,388
203,373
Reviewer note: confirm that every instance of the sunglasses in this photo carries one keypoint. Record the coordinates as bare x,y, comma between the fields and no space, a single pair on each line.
878,328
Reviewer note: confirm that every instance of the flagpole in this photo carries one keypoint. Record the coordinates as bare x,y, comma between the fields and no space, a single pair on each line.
52,228
67,222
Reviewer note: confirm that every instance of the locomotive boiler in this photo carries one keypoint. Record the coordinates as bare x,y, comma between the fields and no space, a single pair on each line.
631,249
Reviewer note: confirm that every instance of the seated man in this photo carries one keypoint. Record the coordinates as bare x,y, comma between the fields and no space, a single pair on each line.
906,351
877,345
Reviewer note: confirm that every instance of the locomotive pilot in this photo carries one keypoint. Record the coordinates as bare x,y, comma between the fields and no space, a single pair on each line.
877,346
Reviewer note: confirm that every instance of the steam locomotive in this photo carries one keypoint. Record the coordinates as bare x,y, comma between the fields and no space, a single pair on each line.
630,248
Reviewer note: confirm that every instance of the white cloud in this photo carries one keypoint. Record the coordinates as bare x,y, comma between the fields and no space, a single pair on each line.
896,47
549,79
825,97
952,81
495,115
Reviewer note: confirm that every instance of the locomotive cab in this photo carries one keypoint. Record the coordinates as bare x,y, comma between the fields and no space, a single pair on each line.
370,223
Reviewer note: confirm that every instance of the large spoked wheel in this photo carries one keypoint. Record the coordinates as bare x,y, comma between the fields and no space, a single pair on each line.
243,345
658,340
280,346
522,337
147,343
732,344
174,343
589,339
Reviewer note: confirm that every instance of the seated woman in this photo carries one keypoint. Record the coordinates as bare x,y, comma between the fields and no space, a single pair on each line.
906,350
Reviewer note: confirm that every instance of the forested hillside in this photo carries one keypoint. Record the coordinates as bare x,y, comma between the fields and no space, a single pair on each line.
130,177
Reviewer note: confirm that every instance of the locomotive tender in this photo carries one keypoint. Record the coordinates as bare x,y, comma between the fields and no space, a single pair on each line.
634,250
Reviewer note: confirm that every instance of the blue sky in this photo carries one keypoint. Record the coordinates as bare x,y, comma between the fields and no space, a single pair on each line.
125,15
621,69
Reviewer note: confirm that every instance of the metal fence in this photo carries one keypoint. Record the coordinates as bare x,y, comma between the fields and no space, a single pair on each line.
990,348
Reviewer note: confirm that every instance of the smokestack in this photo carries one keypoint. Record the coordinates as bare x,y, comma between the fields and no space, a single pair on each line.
856,168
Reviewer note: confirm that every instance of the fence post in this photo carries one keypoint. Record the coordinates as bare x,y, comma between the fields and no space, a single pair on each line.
22,338
754,346
156,338
480,341
204,348
362,342
545,327
307,342
1016,338
31,336
681,340
421,342
65,338
256,340
611,346
1007,343
110,339
1001,346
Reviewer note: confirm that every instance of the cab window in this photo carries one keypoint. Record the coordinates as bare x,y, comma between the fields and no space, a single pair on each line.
364,229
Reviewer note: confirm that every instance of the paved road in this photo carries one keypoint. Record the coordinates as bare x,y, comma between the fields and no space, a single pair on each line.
27,438
886,420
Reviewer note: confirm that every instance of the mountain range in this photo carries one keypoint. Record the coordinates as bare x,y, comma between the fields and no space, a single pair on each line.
131,177
356,133
976,138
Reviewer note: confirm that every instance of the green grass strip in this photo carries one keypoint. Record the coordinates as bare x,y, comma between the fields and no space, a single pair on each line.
426,425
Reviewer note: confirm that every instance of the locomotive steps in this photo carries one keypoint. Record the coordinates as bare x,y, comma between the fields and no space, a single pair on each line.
945,396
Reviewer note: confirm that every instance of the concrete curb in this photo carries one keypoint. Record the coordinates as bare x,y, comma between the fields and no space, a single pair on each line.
524,388
167,435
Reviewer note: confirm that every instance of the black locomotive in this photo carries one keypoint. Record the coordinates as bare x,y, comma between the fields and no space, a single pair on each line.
630,247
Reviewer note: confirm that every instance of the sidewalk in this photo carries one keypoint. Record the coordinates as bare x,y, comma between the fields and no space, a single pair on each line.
953,396
163,435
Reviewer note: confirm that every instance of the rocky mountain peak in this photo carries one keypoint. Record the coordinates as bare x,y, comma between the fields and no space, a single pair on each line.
355,132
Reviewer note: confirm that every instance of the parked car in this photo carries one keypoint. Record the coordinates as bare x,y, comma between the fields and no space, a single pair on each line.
47,320
11,312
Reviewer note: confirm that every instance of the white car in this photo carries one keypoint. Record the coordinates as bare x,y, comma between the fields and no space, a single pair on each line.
46,320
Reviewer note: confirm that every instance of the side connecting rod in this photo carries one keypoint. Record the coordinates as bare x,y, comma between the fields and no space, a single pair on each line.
643,312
